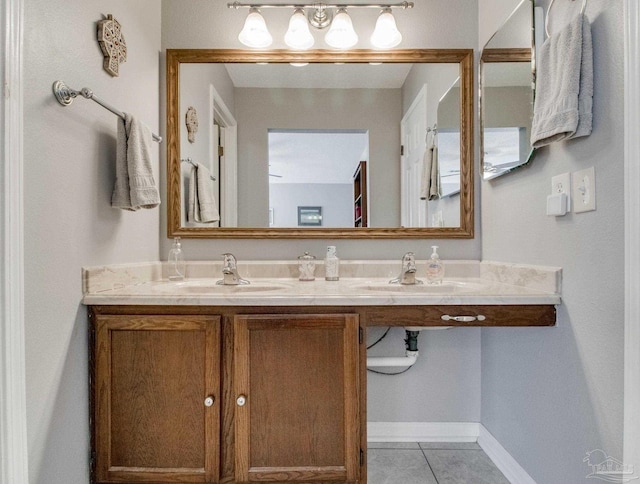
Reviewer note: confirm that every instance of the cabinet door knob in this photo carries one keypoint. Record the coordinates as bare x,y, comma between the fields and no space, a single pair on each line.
241,401
209,401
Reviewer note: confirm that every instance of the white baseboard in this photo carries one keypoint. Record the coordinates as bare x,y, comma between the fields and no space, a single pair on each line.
422,431
502,459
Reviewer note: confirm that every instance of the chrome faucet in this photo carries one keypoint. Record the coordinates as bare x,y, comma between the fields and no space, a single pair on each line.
230,276
408,274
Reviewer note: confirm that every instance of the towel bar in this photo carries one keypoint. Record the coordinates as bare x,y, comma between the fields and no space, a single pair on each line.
65,96
191,162
546,20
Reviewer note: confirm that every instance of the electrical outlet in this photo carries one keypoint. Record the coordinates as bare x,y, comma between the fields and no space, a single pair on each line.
583,190
562,184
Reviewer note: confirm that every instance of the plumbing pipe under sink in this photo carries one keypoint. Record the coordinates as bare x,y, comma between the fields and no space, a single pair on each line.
411,354
389,361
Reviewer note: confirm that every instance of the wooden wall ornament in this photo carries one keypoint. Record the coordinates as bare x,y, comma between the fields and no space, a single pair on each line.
191,120
112,44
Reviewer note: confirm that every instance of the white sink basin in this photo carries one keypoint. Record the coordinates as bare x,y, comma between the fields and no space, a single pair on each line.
209,286
447,287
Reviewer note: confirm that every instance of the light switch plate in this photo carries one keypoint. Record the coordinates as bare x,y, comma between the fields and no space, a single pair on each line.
562,184
583,190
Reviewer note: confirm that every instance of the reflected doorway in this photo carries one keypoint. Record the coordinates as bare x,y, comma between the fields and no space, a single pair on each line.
315,168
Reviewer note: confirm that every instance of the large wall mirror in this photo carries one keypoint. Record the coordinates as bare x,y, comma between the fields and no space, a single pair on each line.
320,144
506,96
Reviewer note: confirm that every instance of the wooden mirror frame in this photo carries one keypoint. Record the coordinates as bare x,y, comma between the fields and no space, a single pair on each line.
463,57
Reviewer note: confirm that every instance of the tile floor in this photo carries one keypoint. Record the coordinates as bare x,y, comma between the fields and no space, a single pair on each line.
430,463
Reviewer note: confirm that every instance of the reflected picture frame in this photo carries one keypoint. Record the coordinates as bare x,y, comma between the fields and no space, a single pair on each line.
310,216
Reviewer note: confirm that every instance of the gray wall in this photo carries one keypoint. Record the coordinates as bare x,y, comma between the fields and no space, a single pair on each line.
551,394
68,177
443,386
374,110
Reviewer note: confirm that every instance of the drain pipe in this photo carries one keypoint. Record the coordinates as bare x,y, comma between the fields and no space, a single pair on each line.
411,353
410,358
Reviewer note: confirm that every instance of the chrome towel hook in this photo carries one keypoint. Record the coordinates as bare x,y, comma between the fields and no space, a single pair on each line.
546,20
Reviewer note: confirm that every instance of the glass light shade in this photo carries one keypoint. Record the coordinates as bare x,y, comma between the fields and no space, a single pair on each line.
341,34
255,33
298,36
386,34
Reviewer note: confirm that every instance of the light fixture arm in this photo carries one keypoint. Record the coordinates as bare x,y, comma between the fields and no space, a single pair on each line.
316,5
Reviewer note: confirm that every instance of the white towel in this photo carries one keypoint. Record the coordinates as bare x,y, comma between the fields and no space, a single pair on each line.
135,186
430,180
202,201
564,85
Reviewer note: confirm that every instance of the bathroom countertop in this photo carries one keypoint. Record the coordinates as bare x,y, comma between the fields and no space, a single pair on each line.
362,283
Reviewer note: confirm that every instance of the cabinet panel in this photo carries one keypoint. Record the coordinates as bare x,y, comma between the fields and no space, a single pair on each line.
152,376
299,377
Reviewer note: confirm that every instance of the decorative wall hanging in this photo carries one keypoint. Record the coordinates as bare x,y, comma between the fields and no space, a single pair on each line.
112,44
191,120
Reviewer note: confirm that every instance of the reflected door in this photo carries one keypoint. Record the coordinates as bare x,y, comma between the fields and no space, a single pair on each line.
413,129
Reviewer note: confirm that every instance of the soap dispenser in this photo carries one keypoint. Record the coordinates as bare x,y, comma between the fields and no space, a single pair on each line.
435,267
177,266
331,264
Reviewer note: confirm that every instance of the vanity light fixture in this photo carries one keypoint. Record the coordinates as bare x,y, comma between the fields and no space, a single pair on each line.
255,33
298,35
341,34
386,34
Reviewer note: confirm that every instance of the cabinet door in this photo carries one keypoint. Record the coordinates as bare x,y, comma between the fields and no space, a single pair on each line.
297,398
156,405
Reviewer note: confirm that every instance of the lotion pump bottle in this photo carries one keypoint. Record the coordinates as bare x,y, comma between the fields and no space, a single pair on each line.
435,267
177,266
331,264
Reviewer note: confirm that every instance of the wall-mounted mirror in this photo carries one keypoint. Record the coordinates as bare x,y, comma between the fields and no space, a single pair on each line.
506,94
278,132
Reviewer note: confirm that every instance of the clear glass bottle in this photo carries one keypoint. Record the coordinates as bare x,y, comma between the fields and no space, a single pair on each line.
177,265
307,267
435,267
331,264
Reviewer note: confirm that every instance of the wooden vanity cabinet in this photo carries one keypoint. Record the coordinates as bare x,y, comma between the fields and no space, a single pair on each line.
239,395
297,398
155,398
186,397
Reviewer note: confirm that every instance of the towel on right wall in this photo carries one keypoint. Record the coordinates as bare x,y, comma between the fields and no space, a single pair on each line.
564,85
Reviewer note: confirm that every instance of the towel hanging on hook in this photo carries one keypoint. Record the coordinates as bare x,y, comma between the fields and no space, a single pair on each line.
433,130
546,20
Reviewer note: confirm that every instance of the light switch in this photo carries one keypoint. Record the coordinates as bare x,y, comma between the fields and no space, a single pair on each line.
583,190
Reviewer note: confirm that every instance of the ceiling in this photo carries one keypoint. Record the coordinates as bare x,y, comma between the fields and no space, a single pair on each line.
316,76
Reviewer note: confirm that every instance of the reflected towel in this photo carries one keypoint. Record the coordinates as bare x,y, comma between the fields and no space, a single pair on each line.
202,201
135,187
564,85
430,180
